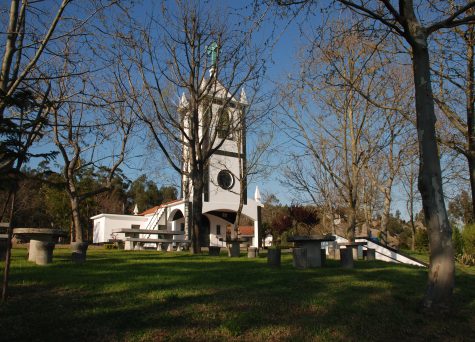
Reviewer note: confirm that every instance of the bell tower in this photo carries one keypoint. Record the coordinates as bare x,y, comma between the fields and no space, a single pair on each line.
222,119
224,176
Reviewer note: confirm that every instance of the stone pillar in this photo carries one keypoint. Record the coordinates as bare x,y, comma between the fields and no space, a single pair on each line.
323,256
214,250
370,254
129,245
346,257
355,252
32,250
44,252
170,247
300,258
252,252
234,250
79,250
332,251
273,257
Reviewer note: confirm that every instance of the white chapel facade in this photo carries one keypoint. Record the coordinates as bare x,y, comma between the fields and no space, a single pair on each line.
221,195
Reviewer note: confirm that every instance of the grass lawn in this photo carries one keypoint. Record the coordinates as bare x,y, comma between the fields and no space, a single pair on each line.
154,296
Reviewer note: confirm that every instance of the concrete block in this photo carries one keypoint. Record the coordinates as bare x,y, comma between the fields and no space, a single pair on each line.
370,254
214,250
252,252
346,257
300,258
273,257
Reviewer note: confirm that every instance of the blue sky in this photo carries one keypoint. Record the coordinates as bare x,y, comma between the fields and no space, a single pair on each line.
281,61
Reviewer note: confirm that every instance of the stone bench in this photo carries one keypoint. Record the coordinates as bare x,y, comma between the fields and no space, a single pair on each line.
162,244
347,253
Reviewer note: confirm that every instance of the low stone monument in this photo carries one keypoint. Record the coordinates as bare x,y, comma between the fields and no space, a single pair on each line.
300,257
214,250
346,257
79,250
273,257
370,254
252,252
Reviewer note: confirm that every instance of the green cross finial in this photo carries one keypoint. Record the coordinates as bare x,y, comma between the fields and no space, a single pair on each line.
213,51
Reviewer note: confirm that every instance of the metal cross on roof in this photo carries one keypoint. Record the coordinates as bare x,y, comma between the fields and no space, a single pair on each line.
212,50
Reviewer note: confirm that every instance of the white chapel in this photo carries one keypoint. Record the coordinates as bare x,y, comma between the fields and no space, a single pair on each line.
221,195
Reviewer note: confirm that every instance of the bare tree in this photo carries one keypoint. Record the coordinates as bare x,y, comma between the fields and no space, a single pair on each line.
415,26
31,50
454,68
339,127
391,155
191,49
409,184
91,128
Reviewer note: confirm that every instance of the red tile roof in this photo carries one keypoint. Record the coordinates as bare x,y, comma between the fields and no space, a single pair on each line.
154,209
149,211
246,230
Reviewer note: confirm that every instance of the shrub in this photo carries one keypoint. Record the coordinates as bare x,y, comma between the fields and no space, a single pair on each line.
405,238
422,240
457,240
468,235
466,259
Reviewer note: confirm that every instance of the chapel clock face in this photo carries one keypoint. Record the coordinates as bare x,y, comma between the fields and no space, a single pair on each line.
225,179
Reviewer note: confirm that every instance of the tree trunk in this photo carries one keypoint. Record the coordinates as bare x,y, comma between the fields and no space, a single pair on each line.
386,210
470,98
6,271
197,209
413,230
441,270
351,224
471,169
78,231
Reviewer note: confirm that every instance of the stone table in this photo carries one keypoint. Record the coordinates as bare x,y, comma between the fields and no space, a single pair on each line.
346,254
313,245
234,246
164,240
42,241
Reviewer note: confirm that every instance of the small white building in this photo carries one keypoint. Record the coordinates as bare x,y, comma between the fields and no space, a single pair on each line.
221,192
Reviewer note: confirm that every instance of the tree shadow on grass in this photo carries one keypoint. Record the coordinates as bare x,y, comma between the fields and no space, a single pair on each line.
149,296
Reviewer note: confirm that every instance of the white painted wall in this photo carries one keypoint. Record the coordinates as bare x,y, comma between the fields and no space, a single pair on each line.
106,224
213,236
216,193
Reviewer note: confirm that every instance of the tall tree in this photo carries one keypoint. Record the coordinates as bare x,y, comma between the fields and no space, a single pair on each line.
415,26
84,140
454,68
333,124
29,57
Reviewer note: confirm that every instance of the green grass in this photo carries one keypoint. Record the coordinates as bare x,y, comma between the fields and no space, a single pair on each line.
151,296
